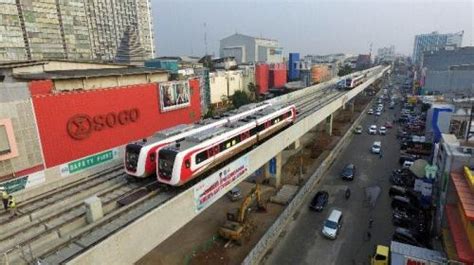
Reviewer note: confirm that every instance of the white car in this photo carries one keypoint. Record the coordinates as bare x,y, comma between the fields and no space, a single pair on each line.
370,111
376,146
383,130
378,113
333,224
373,129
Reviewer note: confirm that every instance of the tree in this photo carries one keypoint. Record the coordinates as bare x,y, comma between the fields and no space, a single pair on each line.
240,98
253,89
344,70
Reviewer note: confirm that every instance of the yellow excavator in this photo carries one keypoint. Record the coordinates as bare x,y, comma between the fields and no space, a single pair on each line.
237,224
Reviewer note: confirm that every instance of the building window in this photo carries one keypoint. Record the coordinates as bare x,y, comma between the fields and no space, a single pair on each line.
4,143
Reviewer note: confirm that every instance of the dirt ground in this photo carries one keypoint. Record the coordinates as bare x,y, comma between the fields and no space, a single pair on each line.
203,245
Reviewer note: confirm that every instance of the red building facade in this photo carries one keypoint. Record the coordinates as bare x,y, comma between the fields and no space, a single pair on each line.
77,124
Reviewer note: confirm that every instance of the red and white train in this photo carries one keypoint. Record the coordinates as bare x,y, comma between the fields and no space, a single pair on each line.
199,153
354,81
140,157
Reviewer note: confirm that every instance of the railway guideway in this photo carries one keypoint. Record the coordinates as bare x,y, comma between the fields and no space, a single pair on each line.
129,244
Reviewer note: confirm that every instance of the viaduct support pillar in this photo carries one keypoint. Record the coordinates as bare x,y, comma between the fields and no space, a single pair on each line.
295,145
329,124
273,170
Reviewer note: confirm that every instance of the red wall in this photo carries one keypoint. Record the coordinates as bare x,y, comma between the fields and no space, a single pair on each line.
278,75
53,111
261,77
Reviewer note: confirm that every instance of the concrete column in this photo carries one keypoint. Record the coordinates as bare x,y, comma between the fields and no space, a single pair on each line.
295,145
329,124
352,105
273,170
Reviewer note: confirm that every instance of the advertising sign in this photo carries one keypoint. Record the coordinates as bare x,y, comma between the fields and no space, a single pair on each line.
23,182
213,187
174,95
88,162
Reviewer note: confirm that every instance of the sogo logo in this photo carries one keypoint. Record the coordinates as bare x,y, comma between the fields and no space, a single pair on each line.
81,126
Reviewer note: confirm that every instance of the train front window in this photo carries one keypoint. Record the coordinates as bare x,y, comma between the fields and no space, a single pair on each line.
348,82
132,153
166,159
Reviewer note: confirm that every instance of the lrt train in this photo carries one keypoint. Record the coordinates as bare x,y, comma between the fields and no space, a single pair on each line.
199,153
354,81
140,160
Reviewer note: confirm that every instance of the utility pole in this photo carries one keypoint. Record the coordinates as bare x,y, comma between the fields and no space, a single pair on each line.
205,37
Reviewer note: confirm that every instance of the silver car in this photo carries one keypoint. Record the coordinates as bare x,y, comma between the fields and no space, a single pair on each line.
333,224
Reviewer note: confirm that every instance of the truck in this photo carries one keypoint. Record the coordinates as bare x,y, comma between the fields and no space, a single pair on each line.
404,254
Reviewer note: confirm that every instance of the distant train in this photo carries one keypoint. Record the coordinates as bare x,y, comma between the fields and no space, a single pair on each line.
140,157
199,153
354,81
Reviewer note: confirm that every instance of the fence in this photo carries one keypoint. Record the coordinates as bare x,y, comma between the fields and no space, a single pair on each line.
272,234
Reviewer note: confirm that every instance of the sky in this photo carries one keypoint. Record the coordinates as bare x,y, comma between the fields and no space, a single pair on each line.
306,26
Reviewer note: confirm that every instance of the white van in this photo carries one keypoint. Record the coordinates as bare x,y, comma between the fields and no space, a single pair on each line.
333,224
376,146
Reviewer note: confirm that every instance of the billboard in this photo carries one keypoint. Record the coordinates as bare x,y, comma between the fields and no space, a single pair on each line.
210,189
75,125
174,95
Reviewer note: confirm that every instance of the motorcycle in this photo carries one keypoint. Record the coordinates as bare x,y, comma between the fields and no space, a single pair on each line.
347,194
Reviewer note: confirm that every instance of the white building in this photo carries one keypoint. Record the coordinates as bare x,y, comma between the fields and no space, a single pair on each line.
248,49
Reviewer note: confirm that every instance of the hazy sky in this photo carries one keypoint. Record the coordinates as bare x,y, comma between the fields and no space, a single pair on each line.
306,26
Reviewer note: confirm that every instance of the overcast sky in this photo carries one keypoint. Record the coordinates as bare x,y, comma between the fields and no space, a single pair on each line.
306,26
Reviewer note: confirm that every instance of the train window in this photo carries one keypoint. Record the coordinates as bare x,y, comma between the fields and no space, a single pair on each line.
187,164
202,156
253,131
261,127
152,157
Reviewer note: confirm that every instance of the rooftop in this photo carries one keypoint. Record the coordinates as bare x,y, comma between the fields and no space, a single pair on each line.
4,65
258,38
72,74
465,194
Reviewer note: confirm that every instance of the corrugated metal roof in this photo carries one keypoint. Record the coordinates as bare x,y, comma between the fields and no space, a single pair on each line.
461,242
465,194
417,252
71,74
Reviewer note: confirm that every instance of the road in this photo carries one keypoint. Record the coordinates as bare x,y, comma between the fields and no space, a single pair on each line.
303,242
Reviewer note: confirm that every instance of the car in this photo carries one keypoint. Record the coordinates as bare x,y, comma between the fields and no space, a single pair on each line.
383,130
372,129
407,236
332,225
388,125
378,113
358,129
319,200
234,194
376,147
370,111
407,164
348,173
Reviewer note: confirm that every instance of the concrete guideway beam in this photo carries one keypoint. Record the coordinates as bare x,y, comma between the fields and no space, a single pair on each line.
144,234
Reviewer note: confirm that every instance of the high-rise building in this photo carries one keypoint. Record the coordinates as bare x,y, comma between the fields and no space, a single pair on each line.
433,42
106,30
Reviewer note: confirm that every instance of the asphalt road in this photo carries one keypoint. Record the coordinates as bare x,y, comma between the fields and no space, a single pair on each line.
303,243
